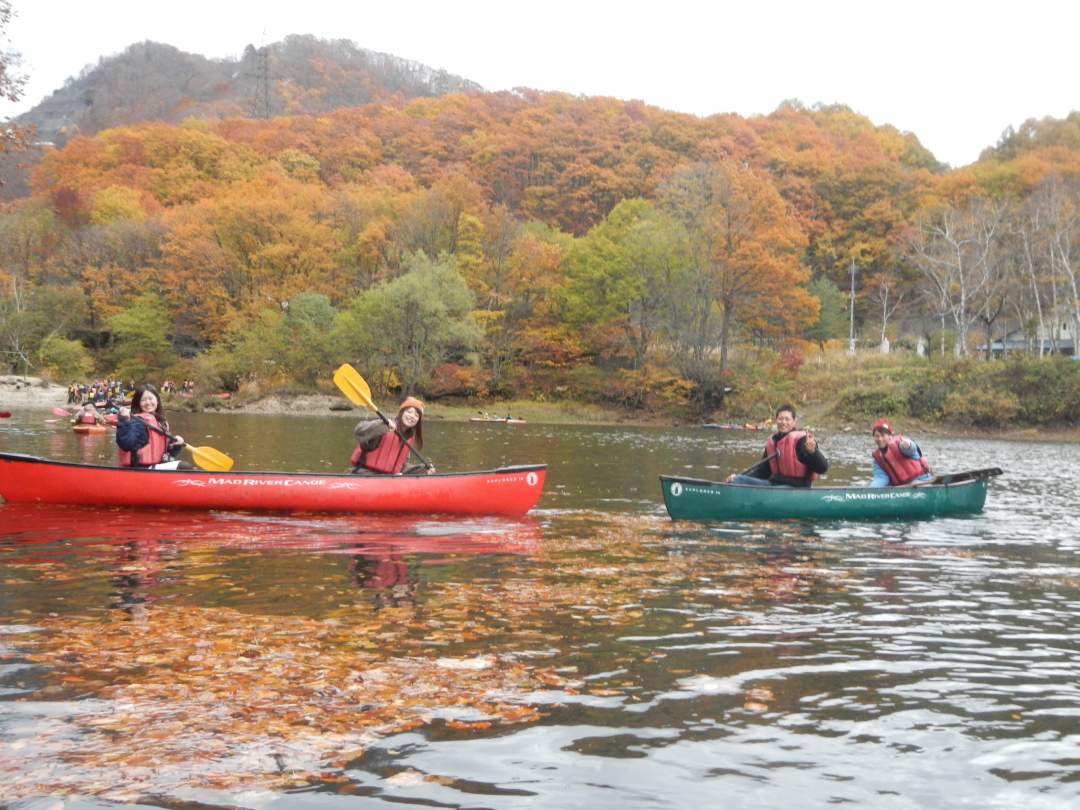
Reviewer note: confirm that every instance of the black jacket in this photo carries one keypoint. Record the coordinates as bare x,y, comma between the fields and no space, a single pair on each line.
132,434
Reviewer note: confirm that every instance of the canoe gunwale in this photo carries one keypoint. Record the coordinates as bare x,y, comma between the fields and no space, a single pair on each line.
21,457
921,485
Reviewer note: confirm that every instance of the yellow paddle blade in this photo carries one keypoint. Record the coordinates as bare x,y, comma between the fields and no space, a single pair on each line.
210,459
354,387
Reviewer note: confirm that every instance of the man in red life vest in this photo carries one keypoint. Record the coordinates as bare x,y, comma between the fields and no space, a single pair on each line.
791,458
87,415
897,459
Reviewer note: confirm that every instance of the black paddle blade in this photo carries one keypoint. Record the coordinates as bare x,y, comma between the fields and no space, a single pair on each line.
968,475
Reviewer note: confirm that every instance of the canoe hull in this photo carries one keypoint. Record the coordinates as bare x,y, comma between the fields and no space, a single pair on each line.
509,491
694,499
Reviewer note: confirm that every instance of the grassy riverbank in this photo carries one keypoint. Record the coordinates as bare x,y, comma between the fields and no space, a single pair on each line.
307,403
1018,396
1022,398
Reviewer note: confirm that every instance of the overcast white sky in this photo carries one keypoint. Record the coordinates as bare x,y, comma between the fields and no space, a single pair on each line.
954,73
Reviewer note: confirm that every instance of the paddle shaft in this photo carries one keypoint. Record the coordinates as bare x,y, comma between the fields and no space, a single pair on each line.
758,463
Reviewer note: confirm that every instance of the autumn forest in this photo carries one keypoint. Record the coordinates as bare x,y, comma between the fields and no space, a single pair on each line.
533,245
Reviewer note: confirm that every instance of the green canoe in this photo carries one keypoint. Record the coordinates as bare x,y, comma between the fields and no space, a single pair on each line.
695,499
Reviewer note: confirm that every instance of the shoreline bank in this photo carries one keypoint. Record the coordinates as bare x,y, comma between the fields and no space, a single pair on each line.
584,414
35,394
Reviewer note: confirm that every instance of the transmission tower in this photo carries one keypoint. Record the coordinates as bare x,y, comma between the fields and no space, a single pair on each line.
260,103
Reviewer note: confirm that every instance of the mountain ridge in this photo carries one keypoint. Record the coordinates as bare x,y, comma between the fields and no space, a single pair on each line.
301,74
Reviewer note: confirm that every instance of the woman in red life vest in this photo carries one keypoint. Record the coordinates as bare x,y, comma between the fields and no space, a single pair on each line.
383,449
142,434
897,459
791,458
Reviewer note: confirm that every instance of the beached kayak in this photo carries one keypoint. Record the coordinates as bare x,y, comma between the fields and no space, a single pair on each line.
695,499
511,491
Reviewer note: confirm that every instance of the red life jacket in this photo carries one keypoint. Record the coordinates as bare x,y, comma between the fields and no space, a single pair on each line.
87,418
900,469
150,453
786,462
388,457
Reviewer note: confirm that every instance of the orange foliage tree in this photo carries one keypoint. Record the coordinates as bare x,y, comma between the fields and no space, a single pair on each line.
263,241
745,257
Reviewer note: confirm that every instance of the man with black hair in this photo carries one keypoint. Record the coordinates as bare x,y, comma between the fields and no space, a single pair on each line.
791,458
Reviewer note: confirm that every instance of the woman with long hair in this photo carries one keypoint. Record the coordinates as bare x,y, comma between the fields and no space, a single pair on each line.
143,435
382,448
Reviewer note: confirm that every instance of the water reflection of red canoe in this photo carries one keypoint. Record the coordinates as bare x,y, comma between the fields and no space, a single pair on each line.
39,525
510,491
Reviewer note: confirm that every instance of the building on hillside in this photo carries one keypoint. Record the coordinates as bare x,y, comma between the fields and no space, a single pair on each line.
1018,341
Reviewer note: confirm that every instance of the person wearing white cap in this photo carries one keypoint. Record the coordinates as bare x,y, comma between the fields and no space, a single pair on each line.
897,459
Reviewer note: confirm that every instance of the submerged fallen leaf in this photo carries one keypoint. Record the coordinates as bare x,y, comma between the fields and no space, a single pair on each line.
480,662
403,778
477,726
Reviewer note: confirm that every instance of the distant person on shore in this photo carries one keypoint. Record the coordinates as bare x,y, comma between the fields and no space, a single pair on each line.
87,415
383,449
791,458
142,434
897,459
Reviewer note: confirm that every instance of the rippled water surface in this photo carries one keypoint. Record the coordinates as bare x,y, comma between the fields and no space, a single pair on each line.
594,654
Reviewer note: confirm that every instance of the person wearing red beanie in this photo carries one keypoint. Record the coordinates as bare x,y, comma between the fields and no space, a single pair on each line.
897,459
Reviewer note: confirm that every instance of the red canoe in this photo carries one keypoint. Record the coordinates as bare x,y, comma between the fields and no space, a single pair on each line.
510,491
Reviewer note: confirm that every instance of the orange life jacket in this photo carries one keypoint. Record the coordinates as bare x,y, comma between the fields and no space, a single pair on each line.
786,462
900,469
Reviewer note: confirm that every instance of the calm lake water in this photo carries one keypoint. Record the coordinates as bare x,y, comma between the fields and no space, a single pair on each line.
594,654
